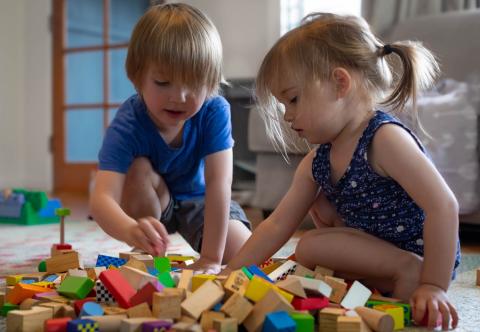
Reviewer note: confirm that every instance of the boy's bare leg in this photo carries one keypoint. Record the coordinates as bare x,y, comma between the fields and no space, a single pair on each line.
144,193
237,235
354,254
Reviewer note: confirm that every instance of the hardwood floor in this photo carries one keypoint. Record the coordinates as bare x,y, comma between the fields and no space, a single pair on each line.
78,204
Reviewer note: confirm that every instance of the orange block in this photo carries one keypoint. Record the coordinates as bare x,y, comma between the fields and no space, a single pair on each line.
24,291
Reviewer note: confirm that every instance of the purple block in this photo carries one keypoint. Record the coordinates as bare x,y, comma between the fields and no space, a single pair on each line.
156,326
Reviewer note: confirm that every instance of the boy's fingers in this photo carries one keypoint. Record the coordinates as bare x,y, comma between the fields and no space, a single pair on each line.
149,231
432,314
420,310
453,312
161,230
444,315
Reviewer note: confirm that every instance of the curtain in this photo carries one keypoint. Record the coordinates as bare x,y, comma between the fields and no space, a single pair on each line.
384,14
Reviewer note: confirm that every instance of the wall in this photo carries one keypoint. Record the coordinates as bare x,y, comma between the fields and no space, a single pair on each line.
25,94
248,28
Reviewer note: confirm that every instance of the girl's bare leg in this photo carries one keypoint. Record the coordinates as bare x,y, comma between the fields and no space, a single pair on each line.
237,235
354,254
144,192
324,214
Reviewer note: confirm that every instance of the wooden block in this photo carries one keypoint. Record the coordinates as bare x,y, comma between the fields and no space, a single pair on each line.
281,273
204,298
378,297
129,254
64,262
167,304
272,301
478,277
349,324
134,324
339,288
27,304
313,287
113,310
310,303
109,323
327,318
206,322
136,278
94,272
302,271
76,287
259,287
118,286
21,292
146,259
323,271
293,286
145,294
77,273
237,307
27,320
237,282
356,296
157,326
56,324
186,327
379,321
91,309
396,312
271,267
13,279
67,311
2,299
185,281
225,325
140,310
136,264
54,306
199,279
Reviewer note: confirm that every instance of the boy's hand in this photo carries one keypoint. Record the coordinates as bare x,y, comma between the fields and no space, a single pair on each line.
433,301
150,235
205,266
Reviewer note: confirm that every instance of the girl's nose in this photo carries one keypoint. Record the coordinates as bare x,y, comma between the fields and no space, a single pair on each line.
288,116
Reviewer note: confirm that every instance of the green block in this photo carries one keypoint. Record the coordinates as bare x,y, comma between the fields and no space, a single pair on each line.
76,287
7,307
62,212
247,273
42,267
407,310
166,279
162,264
304,321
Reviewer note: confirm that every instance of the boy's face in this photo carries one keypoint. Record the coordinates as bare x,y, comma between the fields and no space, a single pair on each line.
169,103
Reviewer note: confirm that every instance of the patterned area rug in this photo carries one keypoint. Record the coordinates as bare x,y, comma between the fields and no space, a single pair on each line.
23,247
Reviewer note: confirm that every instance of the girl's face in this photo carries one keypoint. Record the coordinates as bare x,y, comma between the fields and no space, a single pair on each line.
169,103
311,109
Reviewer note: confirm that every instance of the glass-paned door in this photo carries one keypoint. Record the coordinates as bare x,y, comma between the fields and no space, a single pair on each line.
89,50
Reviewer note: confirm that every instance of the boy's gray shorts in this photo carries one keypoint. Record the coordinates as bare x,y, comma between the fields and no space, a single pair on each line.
186,217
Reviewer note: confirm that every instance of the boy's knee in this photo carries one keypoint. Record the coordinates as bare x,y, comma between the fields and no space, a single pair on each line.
140,170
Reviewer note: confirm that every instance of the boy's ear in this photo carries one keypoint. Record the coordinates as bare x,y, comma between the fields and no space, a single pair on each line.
342,80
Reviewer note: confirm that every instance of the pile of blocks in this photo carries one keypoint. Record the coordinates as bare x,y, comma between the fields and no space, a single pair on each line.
138,292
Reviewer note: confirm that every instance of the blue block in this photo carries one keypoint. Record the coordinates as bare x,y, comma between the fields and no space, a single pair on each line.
82,325
49,210
153,271
91,309
103,260
51,278
217,306
27,281
256,271
279,321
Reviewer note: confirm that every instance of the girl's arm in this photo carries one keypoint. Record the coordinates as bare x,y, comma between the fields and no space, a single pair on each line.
396,154
274,231
218,182
147,233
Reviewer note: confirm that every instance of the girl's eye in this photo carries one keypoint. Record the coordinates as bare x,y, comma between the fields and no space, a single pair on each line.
161,83
293,100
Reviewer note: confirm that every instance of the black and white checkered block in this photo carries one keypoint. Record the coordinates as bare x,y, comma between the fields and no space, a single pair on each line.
102,293
283,271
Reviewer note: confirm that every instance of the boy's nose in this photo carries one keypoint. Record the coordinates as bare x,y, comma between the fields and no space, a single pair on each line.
179,95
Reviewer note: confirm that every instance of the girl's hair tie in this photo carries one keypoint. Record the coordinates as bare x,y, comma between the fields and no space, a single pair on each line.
387,49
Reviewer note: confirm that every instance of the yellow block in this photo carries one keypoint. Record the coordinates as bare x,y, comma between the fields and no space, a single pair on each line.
199,279
13,280
259,287
47,284
395,311
178,258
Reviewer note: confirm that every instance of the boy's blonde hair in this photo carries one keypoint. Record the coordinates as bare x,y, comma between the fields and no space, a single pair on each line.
181,41
326,41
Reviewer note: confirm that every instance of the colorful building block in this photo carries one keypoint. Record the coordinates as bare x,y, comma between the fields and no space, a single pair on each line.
91,309
395,311
56,324
279,321
310,303
156,326
118,286
82,325
145,294
304,321
254,270
75,287
103,260
259,287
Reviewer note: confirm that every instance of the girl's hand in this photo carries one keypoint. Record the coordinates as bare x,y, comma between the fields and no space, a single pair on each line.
432,301
150,235
205,266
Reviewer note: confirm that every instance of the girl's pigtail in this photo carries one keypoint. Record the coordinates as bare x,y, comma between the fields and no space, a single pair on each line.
420,69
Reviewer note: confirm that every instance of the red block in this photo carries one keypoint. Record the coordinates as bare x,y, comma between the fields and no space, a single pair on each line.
78,304
145,294
118,286
62,246
56,324
310,303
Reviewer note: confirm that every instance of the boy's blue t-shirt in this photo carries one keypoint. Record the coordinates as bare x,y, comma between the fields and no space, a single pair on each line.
133,134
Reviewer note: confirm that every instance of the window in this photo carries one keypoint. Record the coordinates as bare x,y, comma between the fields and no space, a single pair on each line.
292,11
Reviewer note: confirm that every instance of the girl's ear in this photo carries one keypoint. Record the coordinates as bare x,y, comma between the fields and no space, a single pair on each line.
342,80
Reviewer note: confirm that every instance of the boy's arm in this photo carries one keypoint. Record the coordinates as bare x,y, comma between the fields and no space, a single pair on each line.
218,184
396,154
272,233
105,209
